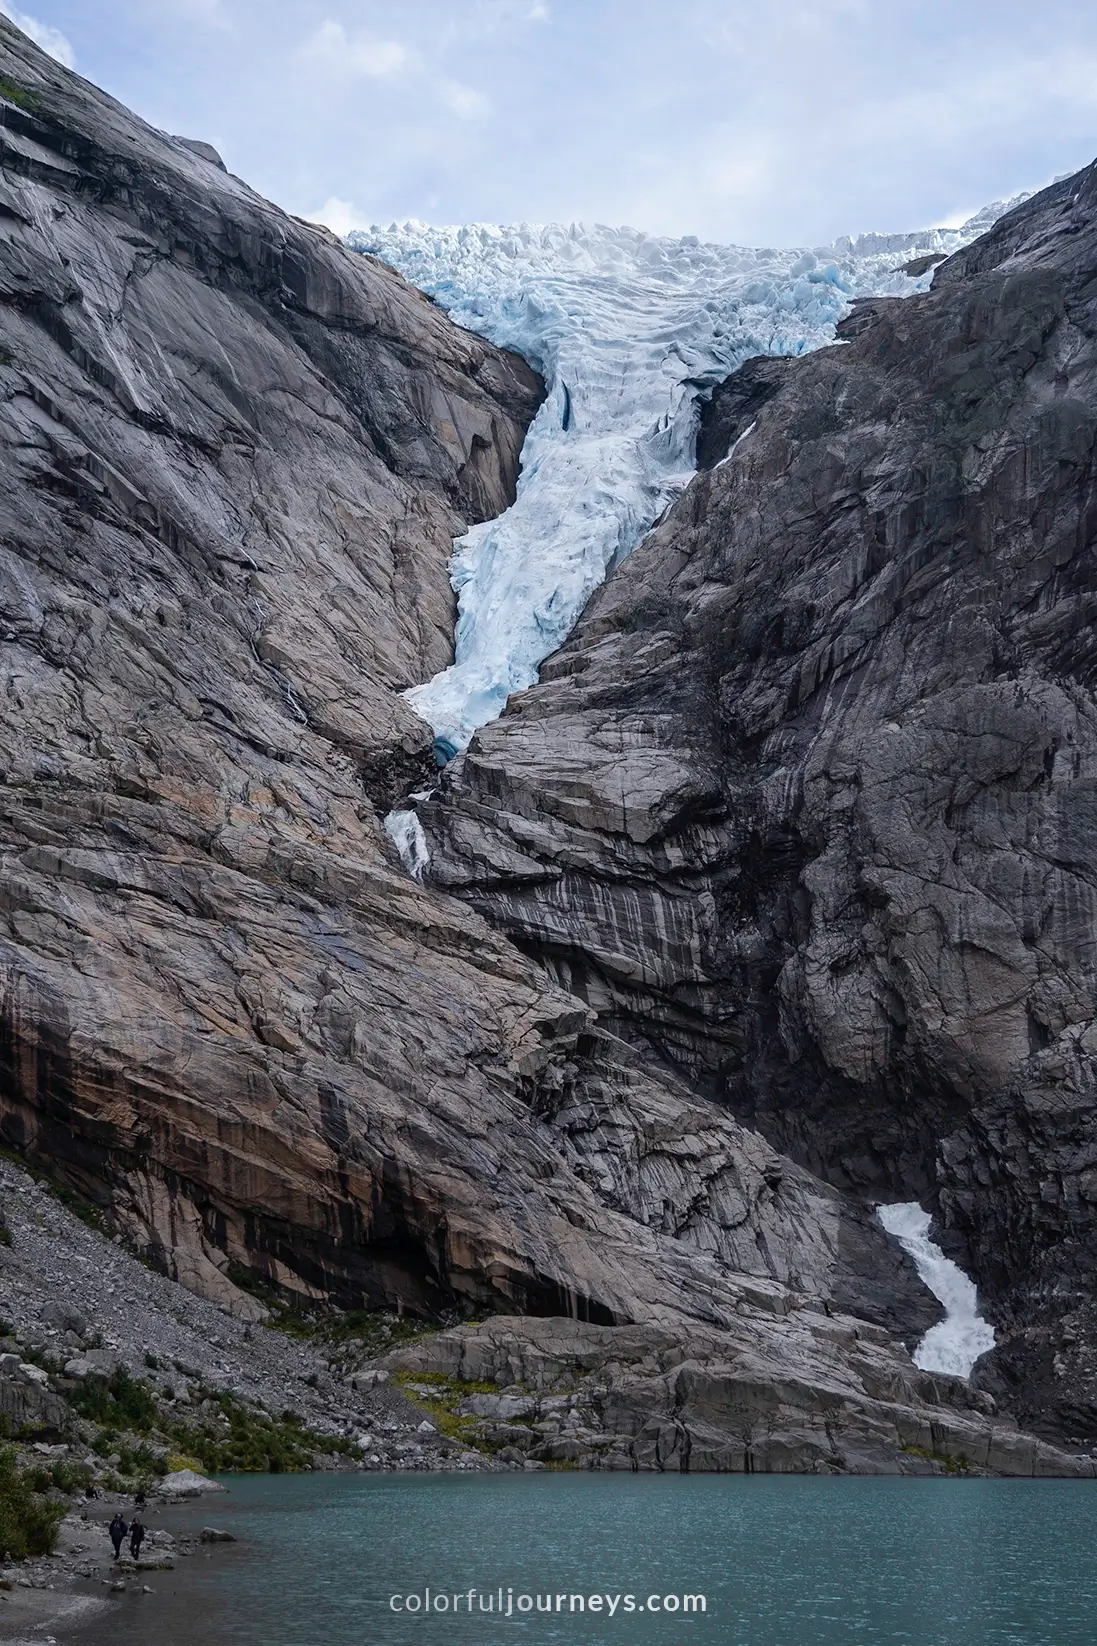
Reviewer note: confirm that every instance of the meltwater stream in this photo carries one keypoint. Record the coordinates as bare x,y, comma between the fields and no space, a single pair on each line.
628,330
955,1343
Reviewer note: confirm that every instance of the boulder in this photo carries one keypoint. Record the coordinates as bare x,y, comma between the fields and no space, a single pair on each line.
65,1318
187,1483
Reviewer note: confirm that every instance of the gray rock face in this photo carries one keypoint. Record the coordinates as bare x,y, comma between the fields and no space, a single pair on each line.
233,456
806,808
806,1395
232,439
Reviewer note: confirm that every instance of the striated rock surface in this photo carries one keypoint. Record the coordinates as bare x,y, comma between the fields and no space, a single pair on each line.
808,1395
235,442
233,458
805,807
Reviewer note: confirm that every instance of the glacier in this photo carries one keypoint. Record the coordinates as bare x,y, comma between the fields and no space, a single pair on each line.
629,331
955,1343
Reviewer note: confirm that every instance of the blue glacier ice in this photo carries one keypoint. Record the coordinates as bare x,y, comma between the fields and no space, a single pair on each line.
628,330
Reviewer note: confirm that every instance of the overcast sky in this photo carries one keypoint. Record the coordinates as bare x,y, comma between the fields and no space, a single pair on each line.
758,121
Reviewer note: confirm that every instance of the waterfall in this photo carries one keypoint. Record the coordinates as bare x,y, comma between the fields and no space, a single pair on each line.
955,1343
406,833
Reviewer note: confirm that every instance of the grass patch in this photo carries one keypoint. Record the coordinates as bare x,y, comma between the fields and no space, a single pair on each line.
952,1465
439,1380
440,1405
19,95
28,1521
446,1420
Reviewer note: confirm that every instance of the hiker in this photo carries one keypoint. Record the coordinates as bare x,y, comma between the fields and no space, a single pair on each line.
137,1535
118,1530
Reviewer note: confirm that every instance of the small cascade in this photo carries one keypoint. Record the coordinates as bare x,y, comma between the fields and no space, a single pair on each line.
406,833
955,1343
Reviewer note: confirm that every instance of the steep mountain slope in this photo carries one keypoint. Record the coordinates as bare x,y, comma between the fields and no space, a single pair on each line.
234,455
295,427
805,804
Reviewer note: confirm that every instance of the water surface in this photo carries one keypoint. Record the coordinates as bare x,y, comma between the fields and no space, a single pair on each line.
781,1561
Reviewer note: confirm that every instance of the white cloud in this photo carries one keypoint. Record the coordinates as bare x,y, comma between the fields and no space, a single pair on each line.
463,101
340,216
356,54
43,34
489,19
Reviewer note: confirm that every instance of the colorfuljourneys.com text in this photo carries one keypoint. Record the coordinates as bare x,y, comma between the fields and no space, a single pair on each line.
505,1603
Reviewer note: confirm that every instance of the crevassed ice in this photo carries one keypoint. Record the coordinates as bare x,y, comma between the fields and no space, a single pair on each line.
955,1343
628,330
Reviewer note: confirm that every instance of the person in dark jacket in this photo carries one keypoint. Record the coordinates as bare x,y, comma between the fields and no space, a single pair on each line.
137,1536
118,1530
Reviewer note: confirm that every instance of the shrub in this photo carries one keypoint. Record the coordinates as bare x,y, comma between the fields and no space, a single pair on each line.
71,1477
28,1521
148,1462
120,1402
183,1460
237,1439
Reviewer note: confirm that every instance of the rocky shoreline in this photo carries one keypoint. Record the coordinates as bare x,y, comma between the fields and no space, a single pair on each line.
77,1585
201,1372
132,1379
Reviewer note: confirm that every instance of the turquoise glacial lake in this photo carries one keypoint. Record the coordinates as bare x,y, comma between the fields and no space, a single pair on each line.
780,1561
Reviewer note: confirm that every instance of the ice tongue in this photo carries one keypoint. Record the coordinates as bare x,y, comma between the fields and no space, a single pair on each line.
628,330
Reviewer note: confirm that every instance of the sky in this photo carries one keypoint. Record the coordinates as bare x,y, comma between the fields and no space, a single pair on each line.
762,122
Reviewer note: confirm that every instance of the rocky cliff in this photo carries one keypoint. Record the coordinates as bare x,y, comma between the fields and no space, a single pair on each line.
805,807
233,457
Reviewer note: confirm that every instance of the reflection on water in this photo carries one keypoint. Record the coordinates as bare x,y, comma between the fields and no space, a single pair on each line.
780,1560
